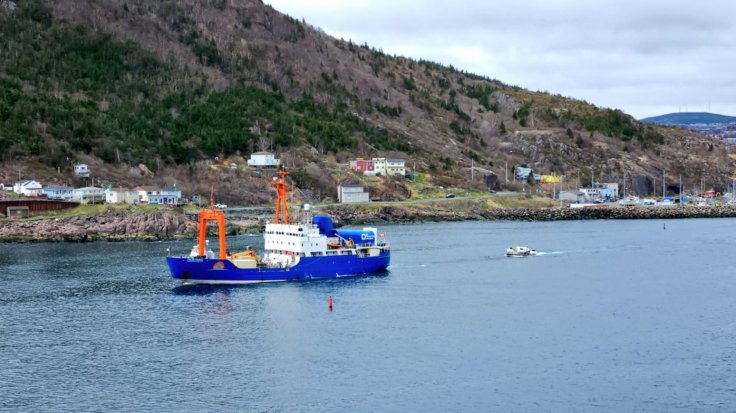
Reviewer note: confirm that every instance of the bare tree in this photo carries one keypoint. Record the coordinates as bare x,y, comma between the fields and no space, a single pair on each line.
264,143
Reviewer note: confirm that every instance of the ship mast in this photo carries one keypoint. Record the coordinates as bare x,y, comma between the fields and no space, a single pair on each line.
212,214
280,185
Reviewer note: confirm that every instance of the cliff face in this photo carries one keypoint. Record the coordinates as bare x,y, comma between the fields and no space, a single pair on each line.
110,226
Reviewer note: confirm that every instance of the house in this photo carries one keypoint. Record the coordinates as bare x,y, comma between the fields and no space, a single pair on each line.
379,166
570,196
145,193
263,159
522,173
590,194
609,189
167,196
6,187
89,195
395,167
364,166
27,188
58,192
121,196
351,193
81,170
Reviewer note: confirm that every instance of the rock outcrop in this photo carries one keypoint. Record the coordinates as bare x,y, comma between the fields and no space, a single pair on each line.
119,225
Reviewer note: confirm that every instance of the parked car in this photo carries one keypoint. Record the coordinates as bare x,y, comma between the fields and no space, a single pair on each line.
220,206
450,196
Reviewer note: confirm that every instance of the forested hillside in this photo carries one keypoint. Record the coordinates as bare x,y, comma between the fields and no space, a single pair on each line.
170,84
67,89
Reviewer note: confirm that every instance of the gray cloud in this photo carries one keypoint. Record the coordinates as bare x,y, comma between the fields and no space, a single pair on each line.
645,57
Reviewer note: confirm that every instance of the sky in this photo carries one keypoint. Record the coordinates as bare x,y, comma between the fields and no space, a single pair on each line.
645,57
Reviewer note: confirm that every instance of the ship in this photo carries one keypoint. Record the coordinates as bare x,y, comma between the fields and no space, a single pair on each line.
306,247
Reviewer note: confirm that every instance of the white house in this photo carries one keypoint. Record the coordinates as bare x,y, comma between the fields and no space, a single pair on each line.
351,193
58,192
6,187
167,196
82,170
395,167
379,166
89,195
145,193
27,188
522,173
263,159
610,188
121,196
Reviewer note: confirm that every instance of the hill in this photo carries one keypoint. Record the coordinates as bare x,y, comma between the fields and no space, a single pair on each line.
689,118
184,89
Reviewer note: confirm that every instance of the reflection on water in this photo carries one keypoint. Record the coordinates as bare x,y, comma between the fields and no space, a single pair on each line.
203,289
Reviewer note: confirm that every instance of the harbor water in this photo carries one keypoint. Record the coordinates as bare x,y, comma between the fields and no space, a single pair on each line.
635,315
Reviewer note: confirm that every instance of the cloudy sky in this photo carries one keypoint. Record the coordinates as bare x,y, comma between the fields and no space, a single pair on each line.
646,57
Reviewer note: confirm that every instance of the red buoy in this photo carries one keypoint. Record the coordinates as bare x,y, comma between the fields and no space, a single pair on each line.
329,303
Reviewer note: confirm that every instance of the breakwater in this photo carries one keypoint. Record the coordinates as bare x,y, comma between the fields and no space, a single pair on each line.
401,214
125,225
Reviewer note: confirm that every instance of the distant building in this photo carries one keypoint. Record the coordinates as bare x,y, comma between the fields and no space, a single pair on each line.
6,187
395,167
89,195
548,179
263,159
522,173
379,166
121,196
590,194
146,192
351,193
570,196
28,188
364,166
81,170
167,196
609,189
18,212
59,192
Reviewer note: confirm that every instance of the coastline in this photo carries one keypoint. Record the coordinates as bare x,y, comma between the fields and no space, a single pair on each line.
348,215
110,225
124,225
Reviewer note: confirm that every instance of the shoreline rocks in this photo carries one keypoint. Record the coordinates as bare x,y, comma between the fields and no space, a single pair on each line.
398,214
110,226
161,225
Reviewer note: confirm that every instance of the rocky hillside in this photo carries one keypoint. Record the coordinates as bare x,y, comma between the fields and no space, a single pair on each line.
110,225
157,92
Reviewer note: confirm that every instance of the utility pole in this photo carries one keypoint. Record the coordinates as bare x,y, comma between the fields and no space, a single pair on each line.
472,170
506,170
663,186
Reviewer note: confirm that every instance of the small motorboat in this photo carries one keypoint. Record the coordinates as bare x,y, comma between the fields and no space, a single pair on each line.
519,251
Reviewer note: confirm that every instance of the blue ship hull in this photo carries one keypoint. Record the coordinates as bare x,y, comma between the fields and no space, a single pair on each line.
217,271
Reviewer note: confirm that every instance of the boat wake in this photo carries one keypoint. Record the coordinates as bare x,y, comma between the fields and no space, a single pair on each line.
550,253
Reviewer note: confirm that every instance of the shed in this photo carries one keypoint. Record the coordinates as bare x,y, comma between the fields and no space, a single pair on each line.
352,193
19,212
